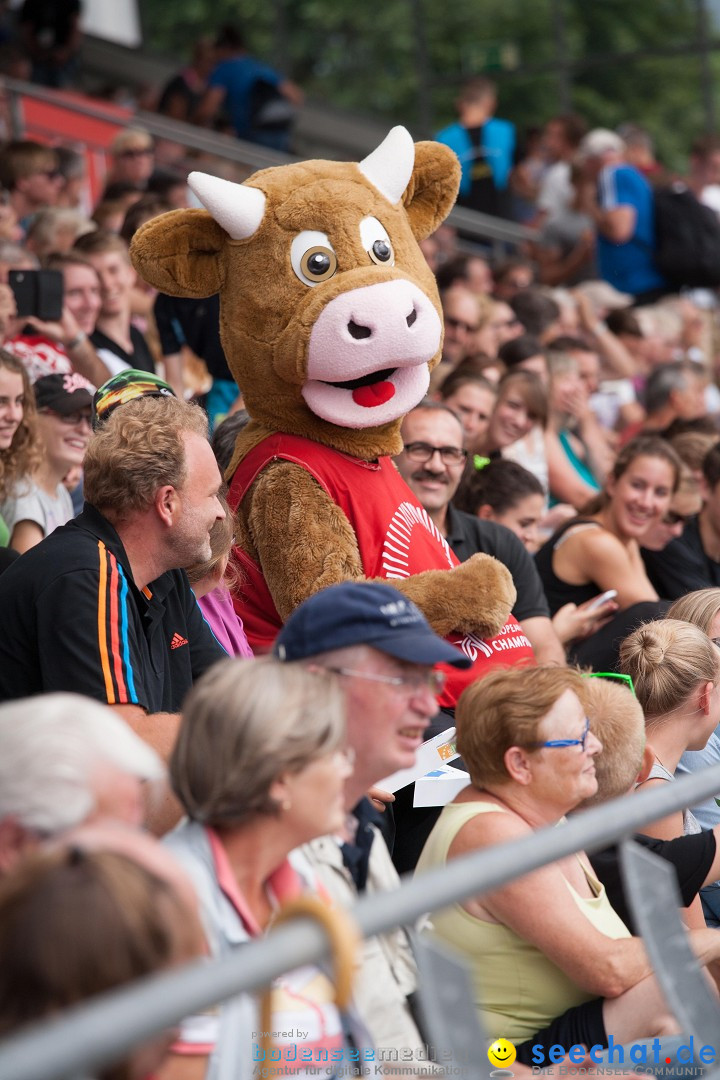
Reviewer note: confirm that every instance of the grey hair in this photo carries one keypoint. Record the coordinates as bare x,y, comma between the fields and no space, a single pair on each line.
49,746
667,378
244,724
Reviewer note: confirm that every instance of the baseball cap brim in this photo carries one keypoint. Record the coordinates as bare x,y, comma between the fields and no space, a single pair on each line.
420,648
71,403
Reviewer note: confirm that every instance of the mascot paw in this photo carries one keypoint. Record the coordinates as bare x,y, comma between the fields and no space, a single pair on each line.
474,598
483,595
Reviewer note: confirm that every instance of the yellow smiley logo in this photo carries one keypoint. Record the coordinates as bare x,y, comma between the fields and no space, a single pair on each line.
501,1053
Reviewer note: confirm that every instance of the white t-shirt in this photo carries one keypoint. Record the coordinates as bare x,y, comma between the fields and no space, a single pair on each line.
556,190
31,503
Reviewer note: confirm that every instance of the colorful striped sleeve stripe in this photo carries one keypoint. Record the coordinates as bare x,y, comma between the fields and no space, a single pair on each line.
113,637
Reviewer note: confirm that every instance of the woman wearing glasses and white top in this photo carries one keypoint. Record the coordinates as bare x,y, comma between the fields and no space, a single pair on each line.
551,961
39,502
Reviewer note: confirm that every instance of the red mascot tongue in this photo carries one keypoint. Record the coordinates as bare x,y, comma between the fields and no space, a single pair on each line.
376,394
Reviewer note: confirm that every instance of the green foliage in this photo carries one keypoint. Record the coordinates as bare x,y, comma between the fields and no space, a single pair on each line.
365,55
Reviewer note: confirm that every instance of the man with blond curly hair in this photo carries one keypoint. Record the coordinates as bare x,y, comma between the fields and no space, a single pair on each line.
102,606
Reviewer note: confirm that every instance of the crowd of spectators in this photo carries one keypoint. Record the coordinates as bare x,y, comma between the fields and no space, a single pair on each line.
572,431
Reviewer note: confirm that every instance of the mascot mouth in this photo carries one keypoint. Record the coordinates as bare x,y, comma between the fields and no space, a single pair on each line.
370,390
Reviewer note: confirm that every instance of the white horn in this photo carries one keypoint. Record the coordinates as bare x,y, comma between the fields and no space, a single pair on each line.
238,208
389,167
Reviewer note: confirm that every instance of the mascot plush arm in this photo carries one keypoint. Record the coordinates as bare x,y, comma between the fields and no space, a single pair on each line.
319,548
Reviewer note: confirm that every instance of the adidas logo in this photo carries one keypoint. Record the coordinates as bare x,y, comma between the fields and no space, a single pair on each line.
177,641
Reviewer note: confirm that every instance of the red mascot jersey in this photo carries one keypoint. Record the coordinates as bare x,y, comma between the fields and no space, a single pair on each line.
396,538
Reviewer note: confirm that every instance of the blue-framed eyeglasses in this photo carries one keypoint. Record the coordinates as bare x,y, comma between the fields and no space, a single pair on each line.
553,743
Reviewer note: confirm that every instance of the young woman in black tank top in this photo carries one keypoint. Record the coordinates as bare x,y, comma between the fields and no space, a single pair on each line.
601,549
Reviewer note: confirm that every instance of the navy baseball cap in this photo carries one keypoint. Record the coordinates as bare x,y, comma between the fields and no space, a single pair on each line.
364,613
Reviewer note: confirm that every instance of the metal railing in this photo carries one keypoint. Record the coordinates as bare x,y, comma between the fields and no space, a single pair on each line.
94,1034
496,233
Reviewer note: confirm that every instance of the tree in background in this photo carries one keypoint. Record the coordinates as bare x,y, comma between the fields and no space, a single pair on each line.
403,60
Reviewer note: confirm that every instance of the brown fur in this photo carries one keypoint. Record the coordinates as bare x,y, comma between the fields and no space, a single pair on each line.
286,522
303,542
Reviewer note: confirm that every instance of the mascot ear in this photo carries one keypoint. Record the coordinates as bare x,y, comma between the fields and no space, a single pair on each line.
180,253
433,187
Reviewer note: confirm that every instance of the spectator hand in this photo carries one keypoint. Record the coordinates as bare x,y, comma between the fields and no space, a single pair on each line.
62,331
573,622
380,798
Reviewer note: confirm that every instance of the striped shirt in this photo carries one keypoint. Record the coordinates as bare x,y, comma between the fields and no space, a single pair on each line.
75,621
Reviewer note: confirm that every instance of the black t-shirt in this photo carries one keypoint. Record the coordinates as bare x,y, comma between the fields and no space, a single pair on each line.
74,621
140,358
468,535
184,321
682,566
691,855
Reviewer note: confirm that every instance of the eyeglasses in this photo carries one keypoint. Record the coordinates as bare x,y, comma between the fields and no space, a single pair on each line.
136,153
673,518
428,680
627,679
460,324
423,452
73,419
553,744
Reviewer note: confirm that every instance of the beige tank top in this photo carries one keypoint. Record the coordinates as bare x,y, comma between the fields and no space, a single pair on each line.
518,990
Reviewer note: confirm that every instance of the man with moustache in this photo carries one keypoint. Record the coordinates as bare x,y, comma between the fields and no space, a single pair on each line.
432,463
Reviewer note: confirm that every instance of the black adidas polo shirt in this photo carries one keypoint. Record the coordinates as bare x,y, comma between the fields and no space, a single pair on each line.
74,621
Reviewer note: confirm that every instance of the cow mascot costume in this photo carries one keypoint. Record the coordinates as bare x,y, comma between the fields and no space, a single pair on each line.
331,323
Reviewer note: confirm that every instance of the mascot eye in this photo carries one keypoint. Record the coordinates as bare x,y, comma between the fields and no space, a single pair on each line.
381,251
319,263
375,240
312,257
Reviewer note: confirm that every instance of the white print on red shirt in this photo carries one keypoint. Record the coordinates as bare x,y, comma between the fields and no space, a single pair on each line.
510,637
396,548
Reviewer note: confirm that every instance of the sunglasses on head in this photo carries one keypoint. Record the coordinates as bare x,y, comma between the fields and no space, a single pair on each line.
627,679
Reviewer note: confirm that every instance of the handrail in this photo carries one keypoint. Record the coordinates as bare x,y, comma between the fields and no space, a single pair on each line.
161,127
479,226
96,1033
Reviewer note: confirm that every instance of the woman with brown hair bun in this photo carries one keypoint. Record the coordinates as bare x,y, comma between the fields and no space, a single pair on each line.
702,609
675,670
